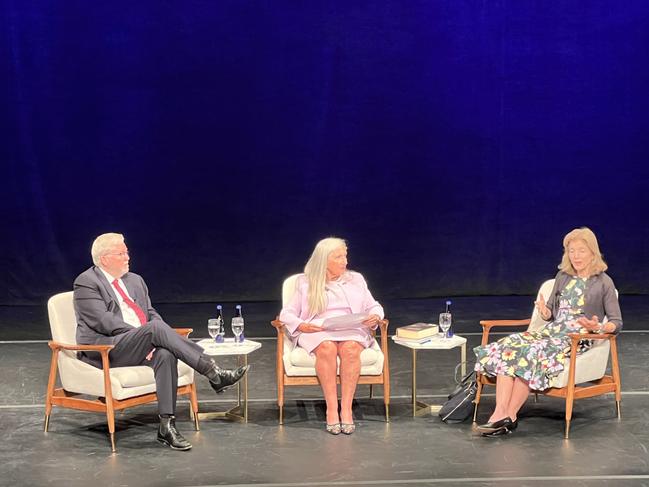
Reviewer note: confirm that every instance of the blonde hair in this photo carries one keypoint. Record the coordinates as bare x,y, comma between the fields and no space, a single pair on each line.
316,272
587,236
103,244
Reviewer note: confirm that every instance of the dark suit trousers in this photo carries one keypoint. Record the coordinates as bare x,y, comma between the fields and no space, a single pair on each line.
132,347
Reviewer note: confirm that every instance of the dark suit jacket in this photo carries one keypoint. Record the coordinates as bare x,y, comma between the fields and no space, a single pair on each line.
99,317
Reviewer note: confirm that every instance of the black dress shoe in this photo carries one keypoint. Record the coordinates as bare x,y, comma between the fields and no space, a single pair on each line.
221,379
169,435
504,423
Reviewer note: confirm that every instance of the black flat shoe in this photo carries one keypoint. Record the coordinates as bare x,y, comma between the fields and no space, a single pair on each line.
221,379
499,432
503,430
504,423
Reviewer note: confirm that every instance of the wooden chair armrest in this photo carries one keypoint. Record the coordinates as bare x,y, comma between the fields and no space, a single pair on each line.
79,348
383,326
183,331
590,336
487,325
279,325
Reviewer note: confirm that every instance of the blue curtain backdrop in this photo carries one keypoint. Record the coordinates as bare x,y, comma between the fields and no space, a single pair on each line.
453,143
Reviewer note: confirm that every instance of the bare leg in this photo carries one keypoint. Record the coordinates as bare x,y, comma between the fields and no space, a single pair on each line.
519,394
504,388
325,367
350,370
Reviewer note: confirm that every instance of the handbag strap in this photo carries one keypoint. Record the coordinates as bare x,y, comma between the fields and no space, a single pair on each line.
462,380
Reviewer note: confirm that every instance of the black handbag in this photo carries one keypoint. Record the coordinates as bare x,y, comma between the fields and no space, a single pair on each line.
459,405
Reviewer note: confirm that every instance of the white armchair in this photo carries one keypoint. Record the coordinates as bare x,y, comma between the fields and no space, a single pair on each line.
585,374
296,367
106,390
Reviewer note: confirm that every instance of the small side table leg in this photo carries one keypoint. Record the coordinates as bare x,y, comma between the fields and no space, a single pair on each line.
245,391
414,382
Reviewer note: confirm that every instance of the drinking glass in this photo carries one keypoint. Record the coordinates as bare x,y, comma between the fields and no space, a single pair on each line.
445,323
213,327
237,328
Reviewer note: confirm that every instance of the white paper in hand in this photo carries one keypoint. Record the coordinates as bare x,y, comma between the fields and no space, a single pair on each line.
345,322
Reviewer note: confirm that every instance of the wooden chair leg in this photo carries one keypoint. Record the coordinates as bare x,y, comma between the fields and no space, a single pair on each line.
110,417
476,401
570,398
386,392
615,372
280,395
50,387
569,404
108,394
193,406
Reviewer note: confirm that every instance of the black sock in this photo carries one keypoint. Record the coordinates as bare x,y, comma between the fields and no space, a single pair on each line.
207,367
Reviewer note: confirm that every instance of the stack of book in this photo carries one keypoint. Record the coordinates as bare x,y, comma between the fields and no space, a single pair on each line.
416,333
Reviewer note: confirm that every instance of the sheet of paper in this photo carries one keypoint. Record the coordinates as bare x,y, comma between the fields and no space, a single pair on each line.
345,322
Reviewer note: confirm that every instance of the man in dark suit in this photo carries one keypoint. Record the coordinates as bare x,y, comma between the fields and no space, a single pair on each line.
113,307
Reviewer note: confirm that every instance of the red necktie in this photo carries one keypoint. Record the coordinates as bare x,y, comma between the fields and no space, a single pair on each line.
131,304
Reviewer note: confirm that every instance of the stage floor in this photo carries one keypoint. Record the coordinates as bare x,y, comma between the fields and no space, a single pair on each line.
602,450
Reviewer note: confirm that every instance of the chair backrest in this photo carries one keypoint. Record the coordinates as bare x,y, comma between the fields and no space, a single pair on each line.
288,288
63,320
536,321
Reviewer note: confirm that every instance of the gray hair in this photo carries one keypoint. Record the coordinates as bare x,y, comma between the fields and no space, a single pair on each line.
316,272
103,244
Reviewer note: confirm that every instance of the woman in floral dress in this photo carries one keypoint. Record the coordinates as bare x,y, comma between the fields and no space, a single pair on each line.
582,293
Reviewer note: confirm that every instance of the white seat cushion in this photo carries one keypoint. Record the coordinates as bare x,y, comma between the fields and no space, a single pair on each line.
82,378
591,365
140,375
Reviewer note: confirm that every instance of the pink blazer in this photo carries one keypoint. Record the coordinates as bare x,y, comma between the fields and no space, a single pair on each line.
355,288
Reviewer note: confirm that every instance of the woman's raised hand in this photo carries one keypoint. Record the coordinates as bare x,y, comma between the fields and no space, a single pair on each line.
544,311
593,325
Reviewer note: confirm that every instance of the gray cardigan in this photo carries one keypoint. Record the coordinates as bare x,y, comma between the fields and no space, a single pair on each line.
600,298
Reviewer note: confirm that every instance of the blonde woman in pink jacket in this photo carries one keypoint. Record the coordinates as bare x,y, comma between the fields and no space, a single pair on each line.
328,289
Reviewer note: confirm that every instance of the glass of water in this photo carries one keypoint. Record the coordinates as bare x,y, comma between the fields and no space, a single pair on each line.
237,328
445,323
213,327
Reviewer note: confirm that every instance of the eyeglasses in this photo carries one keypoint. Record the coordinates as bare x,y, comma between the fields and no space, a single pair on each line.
120,254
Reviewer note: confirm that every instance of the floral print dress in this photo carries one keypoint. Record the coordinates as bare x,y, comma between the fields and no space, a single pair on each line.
539,356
